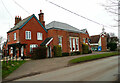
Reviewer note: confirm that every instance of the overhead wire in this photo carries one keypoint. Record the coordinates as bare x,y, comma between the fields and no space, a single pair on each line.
79,15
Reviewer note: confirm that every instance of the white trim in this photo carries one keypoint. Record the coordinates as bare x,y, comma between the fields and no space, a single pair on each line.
49,41
28,35
74,37
94,44
74,44
77,44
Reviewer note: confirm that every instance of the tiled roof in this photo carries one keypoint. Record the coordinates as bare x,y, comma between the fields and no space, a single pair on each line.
94,39
62,26
17,26
23,22
45,41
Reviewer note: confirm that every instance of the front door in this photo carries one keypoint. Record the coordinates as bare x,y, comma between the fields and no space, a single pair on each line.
48,51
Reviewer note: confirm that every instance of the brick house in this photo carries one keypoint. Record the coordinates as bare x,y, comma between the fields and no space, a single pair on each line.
32,32
99,42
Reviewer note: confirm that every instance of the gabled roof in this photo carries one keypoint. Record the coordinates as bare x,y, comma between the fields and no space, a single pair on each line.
83,30
94,39
46,41
23,22
61,26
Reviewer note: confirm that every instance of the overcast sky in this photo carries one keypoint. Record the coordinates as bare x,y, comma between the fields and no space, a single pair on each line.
91,9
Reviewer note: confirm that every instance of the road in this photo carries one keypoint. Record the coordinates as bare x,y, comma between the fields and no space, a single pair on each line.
98,70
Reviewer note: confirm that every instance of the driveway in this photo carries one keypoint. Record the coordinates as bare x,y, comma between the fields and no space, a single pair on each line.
43,65
100,70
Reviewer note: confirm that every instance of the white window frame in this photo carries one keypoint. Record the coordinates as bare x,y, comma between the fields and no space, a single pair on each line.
60,41
14,36
33,46
77,44
39,36
74,44
28,35
70,44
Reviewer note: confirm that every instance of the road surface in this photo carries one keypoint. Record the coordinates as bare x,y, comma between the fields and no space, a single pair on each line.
99,70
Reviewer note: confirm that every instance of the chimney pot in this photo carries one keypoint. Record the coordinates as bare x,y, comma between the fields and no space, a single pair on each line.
40,11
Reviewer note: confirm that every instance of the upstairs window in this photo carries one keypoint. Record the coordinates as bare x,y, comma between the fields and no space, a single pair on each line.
28,35
39,36
14,36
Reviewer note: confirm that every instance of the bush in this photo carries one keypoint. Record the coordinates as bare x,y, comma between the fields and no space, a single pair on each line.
75,53
112,46
85,48
65,54
57,51
39,53
90,51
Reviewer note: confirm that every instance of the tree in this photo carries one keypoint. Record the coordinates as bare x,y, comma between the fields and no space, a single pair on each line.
113,7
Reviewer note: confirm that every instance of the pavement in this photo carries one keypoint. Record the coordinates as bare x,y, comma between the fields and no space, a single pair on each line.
33,67
105,69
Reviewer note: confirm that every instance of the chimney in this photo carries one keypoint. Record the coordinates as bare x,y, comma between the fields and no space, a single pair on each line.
17,19
41,18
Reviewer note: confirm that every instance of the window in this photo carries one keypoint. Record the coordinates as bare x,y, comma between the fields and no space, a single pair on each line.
60,41
77,45
70,44
14,36
73,44
83,40
28,34
39,36
11,50
33,46
8,38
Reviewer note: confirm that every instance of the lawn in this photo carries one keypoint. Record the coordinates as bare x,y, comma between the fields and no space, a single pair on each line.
10,66
92,57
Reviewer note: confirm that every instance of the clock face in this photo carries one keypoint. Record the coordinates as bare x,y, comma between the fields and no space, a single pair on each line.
102,35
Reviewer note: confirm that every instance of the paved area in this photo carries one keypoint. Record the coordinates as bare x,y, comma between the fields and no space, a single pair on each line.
43,65
101,70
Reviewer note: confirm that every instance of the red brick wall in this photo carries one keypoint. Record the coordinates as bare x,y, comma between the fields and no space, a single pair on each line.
34,27
104,43
65,38
11,37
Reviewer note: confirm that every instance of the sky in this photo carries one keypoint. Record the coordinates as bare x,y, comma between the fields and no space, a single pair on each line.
91,9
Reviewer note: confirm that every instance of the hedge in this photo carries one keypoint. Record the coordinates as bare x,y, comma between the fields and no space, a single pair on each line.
39,53
85,48
57,50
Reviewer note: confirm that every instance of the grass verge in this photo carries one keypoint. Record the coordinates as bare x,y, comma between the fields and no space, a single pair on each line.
10,66
92,57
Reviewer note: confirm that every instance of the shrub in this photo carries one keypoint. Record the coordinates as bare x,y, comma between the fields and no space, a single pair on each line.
39,53
57,50
75,53
112,46
65,54
90,51
85,48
